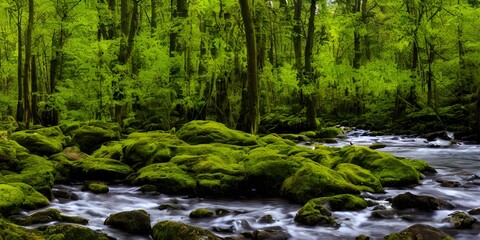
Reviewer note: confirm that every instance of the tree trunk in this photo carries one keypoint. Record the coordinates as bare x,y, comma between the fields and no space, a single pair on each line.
20,110
310,98
153,20
27,80
252,112
297,36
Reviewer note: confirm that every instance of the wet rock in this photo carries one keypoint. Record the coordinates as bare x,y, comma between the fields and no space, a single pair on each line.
312,214
64,194
421,202
147,188
270,234
379,208
266,219
47,216
95,187
419,232
329,132
71,232
377,146
461,220
171,207
363,237
219,229
436,135
475,211
384,214
136,222
450,184
222,212
12,231
201,213
176,231
14,196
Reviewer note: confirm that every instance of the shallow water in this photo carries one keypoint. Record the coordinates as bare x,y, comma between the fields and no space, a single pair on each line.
458,162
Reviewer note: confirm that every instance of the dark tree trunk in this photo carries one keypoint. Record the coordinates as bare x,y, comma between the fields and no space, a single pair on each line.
19,116
27,80
297,35
310,99
252,109
154,18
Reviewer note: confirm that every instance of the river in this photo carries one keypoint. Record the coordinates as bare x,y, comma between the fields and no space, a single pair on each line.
457,162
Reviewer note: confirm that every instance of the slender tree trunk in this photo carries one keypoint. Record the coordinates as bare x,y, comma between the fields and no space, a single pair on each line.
430,77
19,66
297,36
252,112
154,18
310,98
27,81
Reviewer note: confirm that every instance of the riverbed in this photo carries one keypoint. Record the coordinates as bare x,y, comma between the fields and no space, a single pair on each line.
455,161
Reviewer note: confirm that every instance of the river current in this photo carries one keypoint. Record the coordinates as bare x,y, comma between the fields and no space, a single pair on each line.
458,162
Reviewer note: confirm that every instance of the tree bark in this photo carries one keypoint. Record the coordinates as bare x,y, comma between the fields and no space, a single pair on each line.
252,112
20,110
310,98
27,80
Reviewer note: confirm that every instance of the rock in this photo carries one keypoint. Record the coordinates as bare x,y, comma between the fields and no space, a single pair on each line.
101,169
329,132
64,194
95,187
379,207
8,155
167,177
14,196
295,137
180,231
419,232
148,188
363,237
266,219
44,141
12,231
230,229
171,207
475,211
436,135
383,214
377,146
450,184
461,220
198,132
422,202
201,213
360,177
312,214
221,212
47,216
314,180
71,232
112,150
135,222
276,140
270,234
90,136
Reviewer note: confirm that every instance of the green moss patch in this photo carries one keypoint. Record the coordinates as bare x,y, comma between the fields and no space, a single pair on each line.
103,169
90,136
198,132
180,231
71,232
47,216
135,222
43,141
167,177
95,187
14,196
11,231
360,177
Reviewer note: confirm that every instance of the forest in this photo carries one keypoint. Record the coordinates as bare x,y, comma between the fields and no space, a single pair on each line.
252,65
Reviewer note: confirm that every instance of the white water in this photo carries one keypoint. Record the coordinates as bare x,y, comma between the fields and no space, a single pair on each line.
460,162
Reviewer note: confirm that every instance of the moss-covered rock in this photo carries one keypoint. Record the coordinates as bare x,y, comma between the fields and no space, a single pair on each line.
8,154
342,202
47,216
312,214
329,132
167,177
14,196
43,141
180,231
461,220
112,150
360,177
90,136
135,222
276,140
12,231
421,202
417,232
102,169
201,213
198,132
71,232
313,180
95,187
390,170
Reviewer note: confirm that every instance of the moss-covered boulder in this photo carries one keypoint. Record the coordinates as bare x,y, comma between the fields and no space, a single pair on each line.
43,141
90,136
313,180
112,150
421,202
390,170
312,214
418,232
135,222
266,169
12,231
198,132
8,154
95,187
360,177
461,220
102,169
47,216
180,231
167,177
14,196
276,140
329,132
71,232
201,213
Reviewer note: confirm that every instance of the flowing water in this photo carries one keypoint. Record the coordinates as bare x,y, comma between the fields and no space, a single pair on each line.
457,162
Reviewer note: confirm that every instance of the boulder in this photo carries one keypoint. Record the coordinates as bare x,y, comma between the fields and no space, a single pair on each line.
14,196
270,234
312,214
180,231
421,202
360,177
461,220
201,213
102,169
47,216
95,187
419,232
12,231
8,154
329,132
198,132
135,222
475,211
90,136
167,177
43,141
266,219
71,232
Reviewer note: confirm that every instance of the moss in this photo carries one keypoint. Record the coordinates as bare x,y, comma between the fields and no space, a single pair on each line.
309,134
390,170
198,132
103,169
219,184
312,214
95,187
294,137
44,141
167,177
276,140
419,231
8,154
419,165
180,231
135,222
14,196
71,232
266,170
112,150
89,138
342,202
314,180
9,231
329,132
360,177
47,216
201,213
